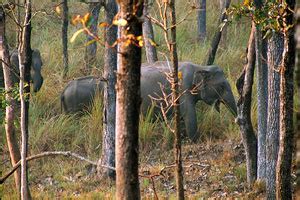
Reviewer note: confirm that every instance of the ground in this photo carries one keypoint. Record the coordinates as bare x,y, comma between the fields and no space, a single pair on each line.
212,169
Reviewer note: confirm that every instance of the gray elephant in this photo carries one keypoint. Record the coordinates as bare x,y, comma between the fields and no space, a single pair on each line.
206,83
35,72
79,93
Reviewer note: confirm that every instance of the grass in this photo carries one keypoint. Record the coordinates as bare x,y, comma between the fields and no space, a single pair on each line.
51,130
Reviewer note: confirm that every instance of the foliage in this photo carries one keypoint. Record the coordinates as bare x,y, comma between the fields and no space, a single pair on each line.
51,130
270,17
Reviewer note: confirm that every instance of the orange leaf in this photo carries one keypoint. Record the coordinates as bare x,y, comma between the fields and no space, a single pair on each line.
103,24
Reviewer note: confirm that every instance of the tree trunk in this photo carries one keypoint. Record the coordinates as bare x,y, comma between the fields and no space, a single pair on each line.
216,39
298,110
91,48
244,86
284,163
224,32
175,97
12,142
148,35
128,102
262,97
64,36
109,118
262,104
24,55
201,20
275,49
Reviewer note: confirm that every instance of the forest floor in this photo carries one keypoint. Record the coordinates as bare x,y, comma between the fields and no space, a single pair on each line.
211,170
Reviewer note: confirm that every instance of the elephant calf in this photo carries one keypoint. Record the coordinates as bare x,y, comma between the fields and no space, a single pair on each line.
35,72
206,83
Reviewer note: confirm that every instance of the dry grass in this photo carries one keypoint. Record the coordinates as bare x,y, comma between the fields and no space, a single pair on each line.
50,130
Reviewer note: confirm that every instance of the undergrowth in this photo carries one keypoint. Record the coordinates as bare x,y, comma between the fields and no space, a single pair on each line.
50,130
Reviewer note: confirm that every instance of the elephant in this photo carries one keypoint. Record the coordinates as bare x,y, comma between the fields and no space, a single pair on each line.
35,72
79,93
205,83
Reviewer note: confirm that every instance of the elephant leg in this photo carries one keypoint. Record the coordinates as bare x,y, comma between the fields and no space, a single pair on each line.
190,120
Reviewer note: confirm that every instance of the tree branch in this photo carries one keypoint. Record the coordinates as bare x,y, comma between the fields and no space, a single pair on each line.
52,153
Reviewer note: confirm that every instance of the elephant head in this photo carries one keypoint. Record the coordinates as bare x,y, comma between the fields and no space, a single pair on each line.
36,66
212,87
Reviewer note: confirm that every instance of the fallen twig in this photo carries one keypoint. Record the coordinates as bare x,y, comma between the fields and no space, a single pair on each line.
52,153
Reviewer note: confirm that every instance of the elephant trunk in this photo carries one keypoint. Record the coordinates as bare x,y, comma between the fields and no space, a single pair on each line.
37,83
229,101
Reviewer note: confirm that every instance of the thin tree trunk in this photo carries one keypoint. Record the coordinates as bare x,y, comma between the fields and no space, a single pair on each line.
128,103
244,86
275,49
298,110
24,55
91,48
216,39
109,118
262,105
175,94
262,97
148,34
201,20
12,142
224,32
284,163
64,36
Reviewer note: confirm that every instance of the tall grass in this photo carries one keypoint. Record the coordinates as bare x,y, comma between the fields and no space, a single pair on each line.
51,130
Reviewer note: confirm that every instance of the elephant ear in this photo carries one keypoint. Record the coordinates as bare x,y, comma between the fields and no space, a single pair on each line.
200,78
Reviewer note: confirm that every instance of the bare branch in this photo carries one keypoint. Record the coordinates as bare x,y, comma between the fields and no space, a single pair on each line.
52,153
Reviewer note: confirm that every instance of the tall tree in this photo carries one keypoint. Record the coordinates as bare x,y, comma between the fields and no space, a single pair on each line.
110,66
244,86
262,95
11,139
275,49
216,39
297,36
24,55
64,36
148,35
224,32
128,101
284,164
175,97
91,48
201,20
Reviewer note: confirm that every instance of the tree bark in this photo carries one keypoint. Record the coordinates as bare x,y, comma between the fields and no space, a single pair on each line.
128,102
262,103
25,54
216,39
201,20
298,110
175,94
91,48
244,86
12,142
284,163
262,96
224,32
275,49
109,113
64,36
148,35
